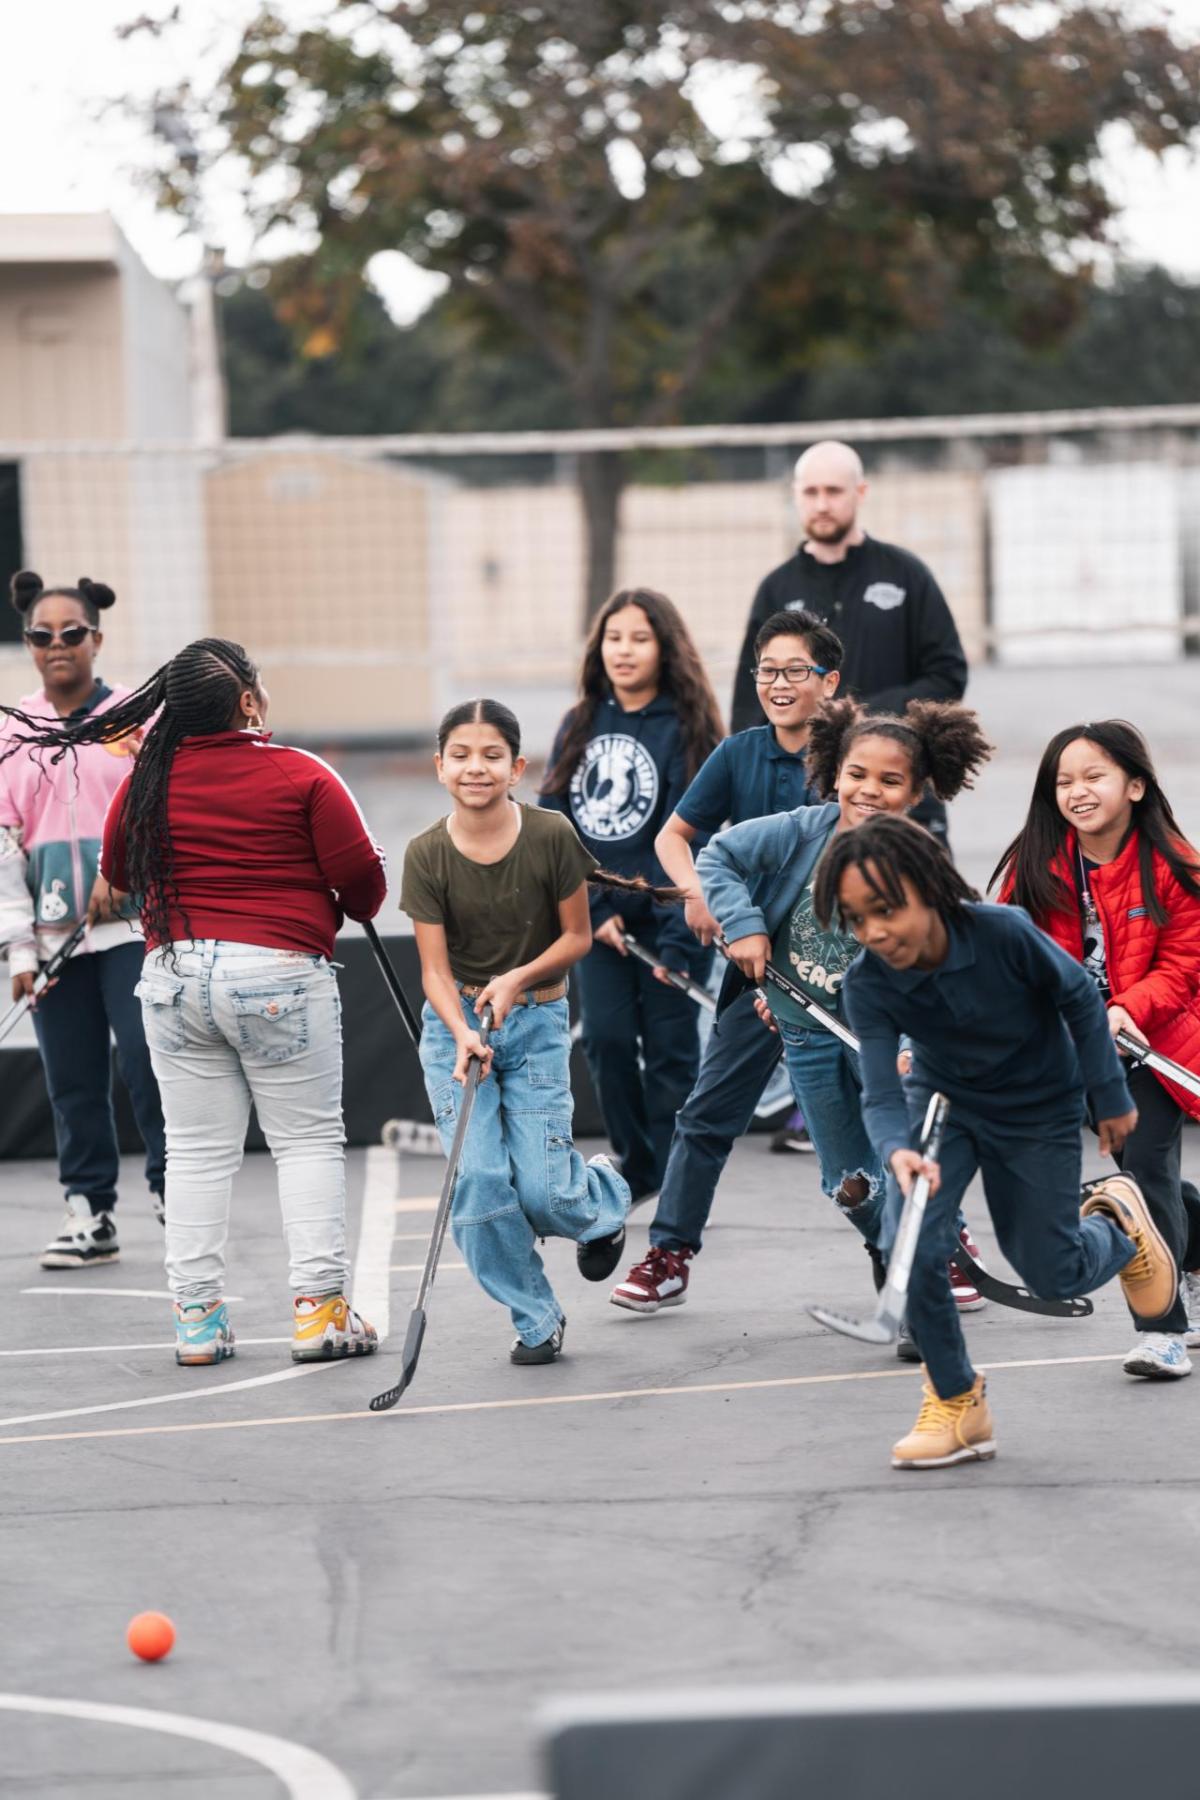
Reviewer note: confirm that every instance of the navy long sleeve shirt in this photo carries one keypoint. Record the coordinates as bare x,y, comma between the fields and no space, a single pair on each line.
1009,1028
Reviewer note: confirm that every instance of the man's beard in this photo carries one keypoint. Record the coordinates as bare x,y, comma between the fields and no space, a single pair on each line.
830,532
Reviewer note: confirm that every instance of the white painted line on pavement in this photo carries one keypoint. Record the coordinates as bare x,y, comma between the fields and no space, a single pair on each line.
467,1406
415,1268
208,1392
425,1203
89,1293
104,1349
375,1244
305,1774
371,1291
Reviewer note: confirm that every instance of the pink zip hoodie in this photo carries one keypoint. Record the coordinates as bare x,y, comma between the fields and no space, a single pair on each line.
51,823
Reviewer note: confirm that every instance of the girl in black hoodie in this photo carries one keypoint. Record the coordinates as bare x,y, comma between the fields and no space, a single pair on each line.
645,721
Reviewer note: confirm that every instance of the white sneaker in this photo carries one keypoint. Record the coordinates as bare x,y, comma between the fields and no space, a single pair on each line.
1189,1288
85,1238
1159,1357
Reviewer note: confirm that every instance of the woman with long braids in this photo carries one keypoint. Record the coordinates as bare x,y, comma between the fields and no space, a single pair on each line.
245,856
51,819
645,721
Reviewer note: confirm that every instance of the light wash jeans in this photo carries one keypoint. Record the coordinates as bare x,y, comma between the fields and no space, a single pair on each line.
828,1090
228,1024
520,1177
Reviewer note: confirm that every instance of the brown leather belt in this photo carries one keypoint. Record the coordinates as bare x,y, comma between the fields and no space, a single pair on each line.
542,996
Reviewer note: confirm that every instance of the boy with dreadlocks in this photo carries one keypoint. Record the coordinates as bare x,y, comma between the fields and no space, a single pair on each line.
245,855
1013,1032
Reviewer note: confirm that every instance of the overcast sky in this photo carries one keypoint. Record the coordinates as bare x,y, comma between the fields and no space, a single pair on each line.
64,148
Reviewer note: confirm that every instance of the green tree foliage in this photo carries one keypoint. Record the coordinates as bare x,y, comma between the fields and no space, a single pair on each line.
559,161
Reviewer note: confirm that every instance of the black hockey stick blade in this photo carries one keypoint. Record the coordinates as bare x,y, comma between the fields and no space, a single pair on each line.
1009,1293
683,983
414,1337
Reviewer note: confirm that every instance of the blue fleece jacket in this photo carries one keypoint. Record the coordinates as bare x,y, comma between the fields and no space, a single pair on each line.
1009,1027
754,873
631,776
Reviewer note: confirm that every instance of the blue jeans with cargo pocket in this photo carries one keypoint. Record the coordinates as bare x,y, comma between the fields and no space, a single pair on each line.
520,1177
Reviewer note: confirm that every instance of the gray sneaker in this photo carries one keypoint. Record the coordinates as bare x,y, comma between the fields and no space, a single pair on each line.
545,1352
1189,1290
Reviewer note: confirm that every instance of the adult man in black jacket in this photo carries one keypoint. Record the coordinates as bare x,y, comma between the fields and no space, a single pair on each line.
901,642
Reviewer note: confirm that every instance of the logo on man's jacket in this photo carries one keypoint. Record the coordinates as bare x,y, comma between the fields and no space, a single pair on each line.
614,790
884,594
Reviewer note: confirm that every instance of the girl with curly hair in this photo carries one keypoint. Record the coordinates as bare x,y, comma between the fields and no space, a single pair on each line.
758,883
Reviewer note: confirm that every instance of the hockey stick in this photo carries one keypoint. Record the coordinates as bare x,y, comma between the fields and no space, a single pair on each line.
1004,1293
1162,1065
674,979
45,976
416,1320
392,980
884,1326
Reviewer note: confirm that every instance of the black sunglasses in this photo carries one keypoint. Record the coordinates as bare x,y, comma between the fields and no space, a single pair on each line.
41,636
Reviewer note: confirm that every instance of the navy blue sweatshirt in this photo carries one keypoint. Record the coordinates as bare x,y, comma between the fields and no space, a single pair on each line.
626,785
1009,1028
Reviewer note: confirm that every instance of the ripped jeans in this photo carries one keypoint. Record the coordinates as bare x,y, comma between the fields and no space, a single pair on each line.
828,1090
521,1176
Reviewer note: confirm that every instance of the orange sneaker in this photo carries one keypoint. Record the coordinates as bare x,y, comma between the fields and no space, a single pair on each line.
326,1326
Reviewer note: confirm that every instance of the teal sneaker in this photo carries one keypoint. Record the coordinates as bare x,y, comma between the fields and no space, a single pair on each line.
203,1334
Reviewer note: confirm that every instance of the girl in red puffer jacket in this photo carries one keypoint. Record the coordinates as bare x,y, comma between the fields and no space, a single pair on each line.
1103,868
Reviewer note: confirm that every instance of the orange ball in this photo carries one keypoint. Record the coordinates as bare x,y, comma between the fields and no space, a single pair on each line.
150,1636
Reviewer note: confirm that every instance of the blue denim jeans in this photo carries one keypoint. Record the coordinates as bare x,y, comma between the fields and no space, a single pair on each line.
228,1024
1032,1189
738,1061
520,1177
828,1090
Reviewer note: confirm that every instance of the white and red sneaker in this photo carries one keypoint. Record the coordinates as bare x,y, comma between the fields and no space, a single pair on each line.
967,1296
659,1280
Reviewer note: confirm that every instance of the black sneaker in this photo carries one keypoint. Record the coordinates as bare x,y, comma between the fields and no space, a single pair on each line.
545,1352
598,1258
791,1139
85,1238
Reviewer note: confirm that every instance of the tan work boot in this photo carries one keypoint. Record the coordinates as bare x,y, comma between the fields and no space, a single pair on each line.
1150,1279
948,1431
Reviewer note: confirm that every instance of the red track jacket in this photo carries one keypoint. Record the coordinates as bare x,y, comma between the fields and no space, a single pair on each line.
1153,970
269,845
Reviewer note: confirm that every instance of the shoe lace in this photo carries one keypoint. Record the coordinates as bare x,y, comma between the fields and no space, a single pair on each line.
937,1414
1138,1265
659,1261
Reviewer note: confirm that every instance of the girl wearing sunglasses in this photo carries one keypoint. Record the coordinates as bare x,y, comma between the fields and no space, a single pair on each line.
51,819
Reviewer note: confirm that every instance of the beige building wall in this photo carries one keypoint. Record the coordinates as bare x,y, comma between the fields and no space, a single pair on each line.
61,355
321,564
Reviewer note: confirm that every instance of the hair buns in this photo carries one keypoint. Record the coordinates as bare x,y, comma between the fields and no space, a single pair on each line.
96,592
24,589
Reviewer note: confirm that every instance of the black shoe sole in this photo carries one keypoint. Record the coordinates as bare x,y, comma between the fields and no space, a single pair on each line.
529,1355
598,1259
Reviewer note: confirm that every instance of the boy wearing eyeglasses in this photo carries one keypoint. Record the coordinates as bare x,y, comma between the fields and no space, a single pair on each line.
51,821
796,664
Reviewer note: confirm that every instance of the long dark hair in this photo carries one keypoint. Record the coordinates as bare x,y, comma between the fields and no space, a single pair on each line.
682,677
481,712
944,742
1042,840
193,695
884,851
